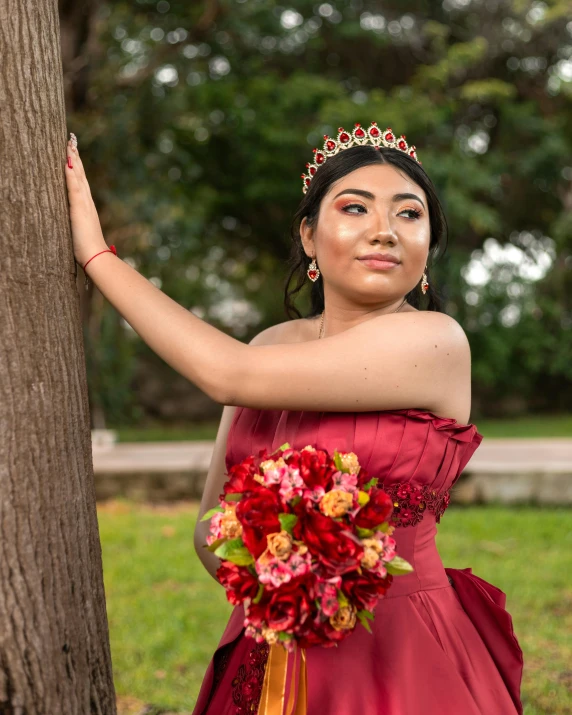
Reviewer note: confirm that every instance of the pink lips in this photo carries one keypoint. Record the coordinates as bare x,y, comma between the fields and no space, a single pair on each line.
381,261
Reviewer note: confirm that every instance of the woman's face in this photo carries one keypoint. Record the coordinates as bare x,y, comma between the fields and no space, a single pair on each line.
374,209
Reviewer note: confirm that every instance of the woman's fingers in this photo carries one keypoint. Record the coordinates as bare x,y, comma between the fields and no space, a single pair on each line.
77,169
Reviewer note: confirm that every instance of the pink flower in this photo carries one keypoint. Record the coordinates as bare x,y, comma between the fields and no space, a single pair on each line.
275,476
272,572
345,482
314,494
215,528
379,569
327,593
292,485
388,547
298,564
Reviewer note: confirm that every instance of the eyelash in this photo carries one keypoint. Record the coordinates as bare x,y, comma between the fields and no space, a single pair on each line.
414,211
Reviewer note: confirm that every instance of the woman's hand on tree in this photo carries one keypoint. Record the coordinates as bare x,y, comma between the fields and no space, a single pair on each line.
86,229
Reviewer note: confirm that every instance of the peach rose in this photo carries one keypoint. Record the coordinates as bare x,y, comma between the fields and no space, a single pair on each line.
372,544
350,462
279,544
230,526
370,558
336,503
344,618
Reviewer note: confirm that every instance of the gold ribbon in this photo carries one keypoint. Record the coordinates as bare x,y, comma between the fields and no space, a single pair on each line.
274,687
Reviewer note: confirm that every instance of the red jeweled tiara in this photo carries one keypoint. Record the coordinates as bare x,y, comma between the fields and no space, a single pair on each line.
373,137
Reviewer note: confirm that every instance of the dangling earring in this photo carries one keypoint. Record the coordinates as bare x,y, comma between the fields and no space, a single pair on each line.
424,283
313,271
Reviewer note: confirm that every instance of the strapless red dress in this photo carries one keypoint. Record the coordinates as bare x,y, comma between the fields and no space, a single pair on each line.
442,642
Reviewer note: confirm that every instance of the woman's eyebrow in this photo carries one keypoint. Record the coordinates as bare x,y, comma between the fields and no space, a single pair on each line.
371,197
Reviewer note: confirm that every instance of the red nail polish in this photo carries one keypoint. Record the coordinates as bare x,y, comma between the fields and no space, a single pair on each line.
69,162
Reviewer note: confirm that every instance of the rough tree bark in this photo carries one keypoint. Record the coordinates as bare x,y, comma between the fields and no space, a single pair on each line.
54,642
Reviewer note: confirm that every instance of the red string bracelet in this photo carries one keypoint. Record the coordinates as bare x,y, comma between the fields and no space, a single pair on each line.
111,249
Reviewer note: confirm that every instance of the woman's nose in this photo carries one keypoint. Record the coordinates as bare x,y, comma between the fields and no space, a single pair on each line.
382,227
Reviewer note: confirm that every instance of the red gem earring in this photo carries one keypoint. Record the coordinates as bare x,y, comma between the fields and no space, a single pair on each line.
313,271
424,283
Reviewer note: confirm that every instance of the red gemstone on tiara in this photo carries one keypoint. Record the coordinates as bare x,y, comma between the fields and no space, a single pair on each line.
360,134
320,158
402,145
307,181
312,170
344,137
374,132
330,145
389,137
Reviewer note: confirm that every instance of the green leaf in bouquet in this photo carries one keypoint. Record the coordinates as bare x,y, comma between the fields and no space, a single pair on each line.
211,512
369,485
287,521
338,462
258,596
283,636
398,566
363,498
383,527
368,614
342,599
215,544
235,551
286,445
363,619
296,500
364,533
233,497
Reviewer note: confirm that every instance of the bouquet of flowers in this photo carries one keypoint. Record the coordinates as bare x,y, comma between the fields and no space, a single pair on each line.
305,544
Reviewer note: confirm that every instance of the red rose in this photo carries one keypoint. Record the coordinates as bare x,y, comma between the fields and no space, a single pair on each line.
238,582
364,590
258,512
241,477
289,606
335,547
376,511
320,632
256,612
316,469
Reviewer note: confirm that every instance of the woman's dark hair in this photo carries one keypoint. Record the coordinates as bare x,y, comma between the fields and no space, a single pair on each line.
335,168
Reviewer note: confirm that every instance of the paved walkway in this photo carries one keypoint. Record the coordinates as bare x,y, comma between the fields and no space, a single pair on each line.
507,456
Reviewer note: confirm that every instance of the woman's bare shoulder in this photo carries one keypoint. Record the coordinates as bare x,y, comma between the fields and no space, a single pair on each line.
290,331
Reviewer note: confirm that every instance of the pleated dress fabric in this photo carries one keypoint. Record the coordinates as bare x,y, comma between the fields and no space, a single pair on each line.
442,642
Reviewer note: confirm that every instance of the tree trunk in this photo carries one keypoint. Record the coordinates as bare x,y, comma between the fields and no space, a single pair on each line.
54,641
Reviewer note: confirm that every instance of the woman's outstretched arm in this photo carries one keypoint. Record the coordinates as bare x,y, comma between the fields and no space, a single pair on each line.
395,361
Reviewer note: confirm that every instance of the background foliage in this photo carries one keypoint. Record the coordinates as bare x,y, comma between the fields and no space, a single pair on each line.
198,119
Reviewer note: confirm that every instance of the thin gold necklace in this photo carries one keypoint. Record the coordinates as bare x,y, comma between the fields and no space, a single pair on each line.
322,318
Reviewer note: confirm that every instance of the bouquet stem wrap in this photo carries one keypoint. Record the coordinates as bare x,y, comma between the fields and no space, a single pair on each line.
284,677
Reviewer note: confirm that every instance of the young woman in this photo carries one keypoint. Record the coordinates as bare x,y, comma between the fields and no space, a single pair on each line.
366,371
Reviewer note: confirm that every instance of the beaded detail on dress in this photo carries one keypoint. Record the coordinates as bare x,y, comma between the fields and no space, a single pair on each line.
247,684
410,503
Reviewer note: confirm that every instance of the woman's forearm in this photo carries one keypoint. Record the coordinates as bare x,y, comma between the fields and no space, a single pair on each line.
198,351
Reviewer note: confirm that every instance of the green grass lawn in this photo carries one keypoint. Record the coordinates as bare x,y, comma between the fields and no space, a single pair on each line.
556,425
166,614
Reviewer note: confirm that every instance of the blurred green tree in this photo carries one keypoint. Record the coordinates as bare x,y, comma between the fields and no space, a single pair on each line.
200,117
